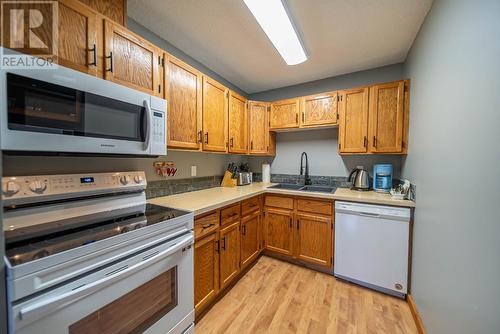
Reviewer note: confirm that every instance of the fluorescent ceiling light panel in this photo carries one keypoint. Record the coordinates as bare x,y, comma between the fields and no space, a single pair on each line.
274,20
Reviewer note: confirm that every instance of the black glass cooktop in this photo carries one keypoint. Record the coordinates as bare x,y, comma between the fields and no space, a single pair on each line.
34,242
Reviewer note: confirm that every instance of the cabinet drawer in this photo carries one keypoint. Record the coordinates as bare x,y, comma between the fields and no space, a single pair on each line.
321,207
250,205
279,202
206,224
230,214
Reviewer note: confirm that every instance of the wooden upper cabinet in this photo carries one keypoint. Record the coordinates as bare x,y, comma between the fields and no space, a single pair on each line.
250,238
237,120
116,10
319,110
278,230
258,118
314,239
215,102
386,117
229,253
206,270
183,92
130,60
353,129
284,114
78,46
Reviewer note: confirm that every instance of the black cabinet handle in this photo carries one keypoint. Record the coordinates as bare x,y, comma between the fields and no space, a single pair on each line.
110,57
290,222
365,142
224,243
232,142
303,117
374,141
217,246
200,135
207,225
244,232
298,224
206,137
94,51
296,118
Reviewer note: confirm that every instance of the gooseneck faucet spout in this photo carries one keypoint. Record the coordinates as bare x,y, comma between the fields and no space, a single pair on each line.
304,170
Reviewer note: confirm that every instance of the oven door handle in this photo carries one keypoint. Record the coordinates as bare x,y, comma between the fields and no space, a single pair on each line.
149,122
45,306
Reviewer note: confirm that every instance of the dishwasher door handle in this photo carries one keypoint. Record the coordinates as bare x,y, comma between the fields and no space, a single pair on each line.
368,214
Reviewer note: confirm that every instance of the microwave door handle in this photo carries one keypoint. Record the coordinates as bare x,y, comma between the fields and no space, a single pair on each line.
46,306
149,121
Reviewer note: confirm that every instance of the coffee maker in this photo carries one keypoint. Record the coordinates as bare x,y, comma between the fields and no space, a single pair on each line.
382,177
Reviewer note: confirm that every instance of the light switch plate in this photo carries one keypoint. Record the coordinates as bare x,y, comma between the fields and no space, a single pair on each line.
193,170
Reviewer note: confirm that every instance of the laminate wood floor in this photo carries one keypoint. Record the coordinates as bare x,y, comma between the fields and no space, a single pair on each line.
278,297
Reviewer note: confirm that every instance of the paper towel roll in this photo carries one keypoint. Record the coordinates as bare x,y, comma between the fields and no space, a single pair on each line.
266,173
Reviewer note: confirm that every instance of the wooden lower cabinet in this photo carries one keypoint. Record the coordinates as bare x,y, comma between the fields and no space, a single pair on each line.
300,229
250,238
230,249
206,270
278,230
314,239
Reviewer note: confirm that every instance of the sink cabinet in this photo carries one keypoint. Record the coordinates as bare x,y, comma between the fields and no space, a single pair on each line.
299,229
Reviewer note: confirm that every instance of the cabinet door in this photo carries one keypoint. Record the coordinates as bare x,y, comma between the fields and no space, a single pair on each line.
77,40
284,114
238,127
114,9
249,238
386,117
184,96
278,230
230,248
214,116
258,116
314,239
319,110
131,60
353,129
206,270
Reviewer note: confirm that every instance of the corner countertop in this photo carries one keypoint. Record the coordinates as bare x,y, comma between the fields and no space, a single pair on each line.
202,201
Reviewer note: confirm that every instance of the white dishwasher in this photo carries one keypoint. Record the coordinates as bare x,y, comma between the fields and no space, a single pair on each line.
372,246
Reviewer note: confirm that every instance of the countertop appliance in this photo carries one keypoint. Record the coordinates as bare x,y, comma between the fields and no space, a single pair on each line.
382,177
360,179
372,246
78,244
65,111
244,178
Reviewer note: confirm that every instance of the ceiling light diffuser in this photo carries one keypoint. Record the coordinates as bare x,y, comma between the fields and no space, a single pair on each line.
274,20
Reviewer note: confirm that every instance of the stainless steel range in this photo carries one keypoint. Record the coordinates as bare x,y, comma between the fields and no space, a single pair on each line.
87,254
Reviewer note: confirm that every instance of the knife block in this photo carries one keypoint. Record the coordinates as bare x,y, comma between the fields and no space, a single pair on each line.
227,180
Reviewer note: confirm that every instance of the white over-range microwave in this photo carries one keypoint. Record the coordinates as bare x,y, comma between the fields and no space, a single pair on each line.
62,110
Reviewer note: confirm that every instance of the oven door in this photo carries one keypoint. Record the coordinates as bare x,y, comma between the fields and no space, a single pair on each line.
66,111
149,292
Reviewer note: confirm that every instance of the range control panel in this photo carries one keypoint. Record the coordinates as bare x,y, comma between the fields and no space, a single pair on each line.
70,185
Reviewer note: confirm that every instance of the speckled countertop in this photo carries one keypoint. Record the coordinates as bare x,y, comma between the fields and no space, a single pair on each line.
202,201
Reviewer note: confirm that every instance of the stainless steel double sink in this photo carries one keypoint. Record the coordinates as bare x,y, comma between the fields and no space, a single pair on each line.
309,188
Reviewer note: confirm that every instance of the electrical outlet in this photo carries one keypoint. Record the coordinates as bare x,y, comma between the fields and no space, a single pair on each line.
193,170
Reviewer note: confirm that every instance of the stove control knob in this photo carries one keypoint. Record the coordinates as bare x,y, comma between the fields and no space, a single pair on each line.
10,188
124,179
138,179
37,186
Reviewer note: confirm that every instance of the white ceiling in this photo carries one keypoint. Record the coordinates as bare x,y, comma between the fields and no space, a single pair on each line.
340,36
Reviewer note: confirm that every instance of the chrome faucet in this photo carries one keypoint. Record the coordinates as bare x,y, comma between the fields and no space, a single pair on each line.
304,170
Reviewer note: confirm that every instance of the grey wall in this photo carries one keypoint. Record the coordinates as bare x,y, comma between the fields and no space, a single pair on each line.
165,45
321,148
207,164
454,160
351,80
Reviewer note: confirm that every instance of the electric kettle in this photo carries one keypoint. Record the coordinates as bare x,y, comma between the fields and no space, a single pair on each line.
360,179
